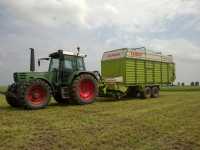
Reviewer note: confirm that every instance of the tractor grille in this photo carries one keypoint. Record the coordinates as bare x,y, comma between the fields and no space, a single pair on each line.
22,76
19,76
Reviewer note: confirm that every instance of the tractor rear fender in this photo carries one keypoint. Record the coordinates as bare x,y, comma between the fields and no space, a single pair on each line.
78,73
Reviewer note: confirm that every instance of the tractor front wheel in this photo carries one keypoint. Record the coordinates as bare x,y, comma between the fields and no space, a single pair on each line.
84,89
11,96
35,94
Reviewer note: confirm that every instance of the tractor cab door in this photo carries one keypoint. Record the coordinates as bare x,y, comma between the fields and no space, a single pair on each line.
70,65
68,68
54,70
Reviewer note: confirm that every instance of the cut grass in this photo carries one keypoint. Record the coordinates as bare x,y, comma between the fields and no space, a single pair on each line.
169,122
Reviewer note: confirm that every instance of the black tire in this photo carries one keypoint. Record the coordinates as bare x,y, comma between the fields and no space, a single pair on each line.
84,90
146,93
11,96
35,94
155,92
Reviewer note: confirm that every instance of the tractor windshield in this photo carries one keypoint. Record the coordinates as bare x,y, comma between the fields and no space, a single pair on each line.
68,64
54,65
80,64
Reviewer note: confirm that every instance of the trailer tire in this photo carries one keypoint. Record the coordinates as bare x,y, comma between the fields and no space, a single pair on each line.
146,93
35,94
155,92
84,89
11,96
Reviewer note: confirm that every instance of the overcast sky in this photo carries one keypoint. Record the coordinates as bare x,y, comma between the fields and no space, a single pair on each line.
169,26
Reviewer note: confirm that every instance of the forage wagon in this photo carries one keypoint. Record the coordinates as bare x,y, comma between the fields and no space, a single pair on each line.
133,71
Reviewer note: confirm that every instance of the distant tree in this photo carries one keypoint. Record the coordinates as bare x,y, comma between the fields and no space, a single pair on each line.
179,84
192,84
197,83
182,84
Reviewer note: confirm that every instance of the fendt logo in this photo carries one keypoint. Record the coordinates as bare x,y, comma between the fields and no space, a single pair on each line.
135,54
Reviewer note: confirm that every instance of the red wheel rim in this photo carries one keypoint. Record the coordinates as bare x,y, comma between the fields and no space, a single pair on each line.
86,90
36,95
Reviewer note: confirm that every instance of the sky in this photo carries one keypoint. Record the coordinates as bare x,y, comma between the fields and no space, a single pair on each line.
170,27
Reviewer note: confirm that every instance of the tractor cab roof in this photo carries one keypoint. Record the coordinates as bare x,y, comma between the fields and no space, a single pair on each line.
66,53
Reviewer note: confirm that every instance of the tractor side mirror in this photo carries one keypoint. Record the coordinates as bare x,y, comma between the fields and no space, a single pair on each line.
42,59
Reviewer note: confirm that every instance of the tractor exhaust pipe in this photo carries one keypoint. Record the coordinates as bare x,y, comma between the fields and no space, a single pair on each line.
32,60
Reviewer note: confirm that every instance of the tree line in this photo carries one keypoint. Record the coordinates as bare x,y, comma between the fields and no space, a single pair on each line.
191,84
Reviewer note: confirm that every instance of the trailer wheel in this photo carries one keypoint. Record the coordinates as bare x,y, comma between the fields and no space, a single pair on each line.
155,92
146,93
84,89
35,94
11,96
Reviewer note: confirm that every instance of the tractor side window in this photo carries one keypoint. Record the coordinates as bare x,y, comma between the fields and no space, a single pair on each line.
68,64
54,65
80,64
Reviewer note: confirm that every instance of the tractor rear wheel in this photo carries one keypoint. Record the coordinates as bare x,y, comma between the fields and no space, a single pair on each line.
35,94
84,89
146,93
155,92
11,96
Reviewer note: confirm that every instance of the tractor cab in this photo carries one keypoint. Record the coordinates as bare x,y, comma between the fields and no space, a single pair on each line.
67,61
63,64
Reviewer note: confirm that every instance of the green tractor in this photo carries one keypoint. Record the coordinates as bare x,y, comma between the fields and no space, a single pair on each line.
66,80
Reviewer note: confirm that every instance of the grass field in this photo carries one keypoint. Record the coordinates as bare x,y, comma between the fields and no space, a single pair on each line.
171,122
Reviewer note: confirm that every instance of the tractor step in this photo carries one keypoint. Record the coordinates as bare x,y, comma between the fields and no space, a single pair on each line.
65,92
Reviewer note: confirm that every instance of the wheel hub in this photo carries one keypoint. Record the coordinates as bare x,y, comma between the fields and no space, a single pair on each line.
87,90
36,95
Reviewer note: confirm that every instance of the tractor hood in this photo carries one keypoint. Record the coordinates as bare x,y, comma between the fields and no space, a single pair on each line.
27,76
